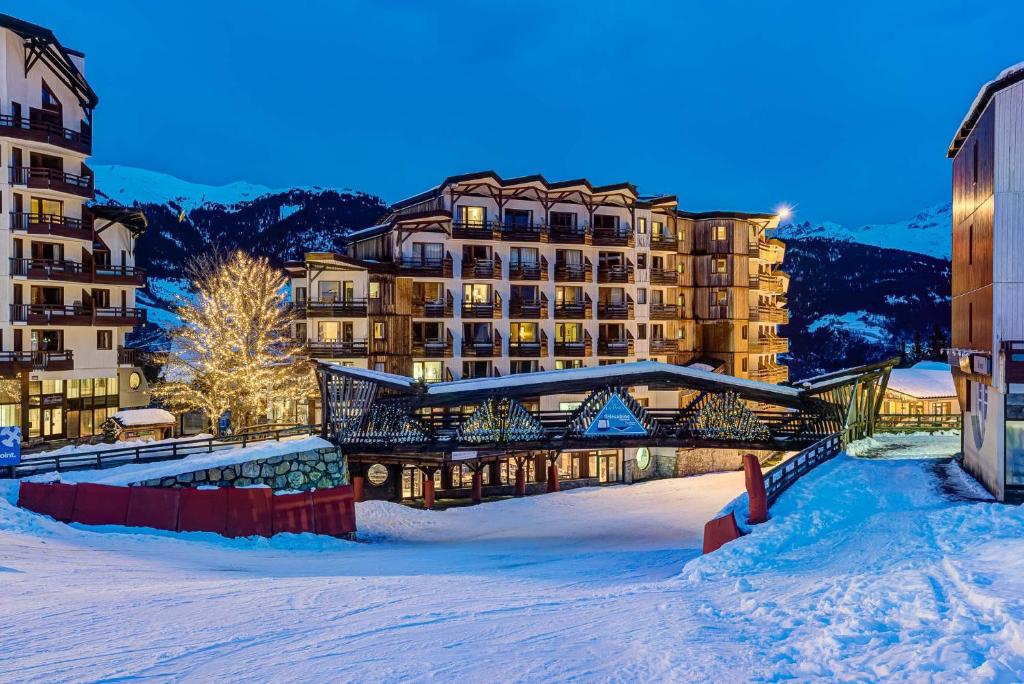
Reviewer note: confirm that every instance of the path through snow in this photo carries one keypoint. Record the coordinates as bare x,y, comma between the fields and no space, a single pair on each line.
865,571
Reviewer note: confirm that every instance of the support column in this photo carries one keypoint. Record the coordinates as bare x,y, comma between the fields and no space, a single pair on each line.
478,486
553,485
428,489
756,494
357,488
520,477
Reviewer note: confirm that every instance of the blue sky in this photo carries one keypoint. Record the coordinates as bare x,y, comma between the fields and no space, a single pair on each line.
844,109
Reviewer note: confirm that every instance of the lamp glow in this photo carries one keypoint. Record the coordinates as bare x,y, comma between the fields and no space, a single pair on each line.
784,211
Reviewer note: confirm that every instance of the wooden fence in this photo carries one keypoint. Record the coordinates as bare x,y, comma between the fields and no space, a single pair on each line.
922,422
780,478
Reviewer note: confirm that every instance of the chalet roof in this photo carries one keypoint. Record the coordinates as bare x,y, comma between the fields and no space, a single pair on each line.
329,260
1006,78
700,215
42,45
132,219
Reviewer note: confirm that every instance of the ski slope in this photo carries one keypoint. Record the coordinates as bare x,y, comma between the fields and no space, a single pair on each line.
875,568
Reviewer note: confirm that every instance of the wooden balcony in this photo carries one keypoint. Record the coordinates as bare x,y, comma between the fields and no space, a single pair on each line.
118,315
47,132
615,347
49,269
774,374
532,350
569,235
612,237
769,314
574,273
482,309
433,348
441,308
526,308
664,276
575,310
482,269
664,242
487,230
127,356
528,271
348,349
119,275
488,348
51,224
51,314
14,362
524,233
769,345
615,311
430,268
575,349
659,345
663,312
42,178
615,273
344,308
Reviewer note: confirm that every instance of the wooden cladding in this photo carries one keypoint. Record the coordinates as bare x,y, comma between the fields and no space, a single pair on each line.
726,270
721,236
972,319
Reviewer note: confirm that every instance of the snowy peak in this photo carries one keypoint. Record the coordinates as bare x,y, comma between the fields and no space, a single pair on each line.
928,232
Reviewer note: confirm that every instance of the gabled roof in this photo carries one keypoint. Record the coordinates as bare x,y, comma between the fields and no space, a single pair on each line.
1006,78
42,46
132,219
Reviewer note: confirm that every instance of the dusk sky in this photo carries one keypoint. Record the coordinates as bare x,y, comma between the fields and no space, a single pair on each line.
842,109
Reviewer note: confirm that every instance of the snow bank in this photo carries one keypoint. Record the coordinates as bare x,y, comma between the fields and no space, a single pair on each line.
137,472
144,416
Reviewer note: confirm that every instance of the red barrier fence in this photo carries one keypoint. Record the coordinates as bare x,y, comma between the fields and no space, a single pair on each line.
228,511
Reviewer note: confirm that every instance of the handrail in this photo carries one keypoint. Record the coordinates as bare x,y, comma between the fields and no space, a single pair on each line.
24,175
902,422
781,477
168,451
52,132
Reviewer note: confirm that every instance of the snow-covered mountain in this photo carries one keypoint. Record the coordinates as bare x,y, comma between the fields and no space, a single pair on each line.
928,232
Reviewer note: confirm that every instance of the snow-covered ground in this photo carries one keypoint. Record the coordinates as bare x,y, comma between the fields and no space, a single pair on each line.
867,570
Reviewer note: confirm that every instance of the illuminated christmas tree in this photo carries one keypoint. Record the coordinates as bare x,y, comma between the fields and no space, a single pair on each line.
232,351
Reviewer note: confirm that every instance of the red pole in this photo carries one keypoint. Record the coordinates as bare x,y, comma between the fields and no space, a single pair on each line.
478,488
755,490
553,477
520,480
357,488
428,491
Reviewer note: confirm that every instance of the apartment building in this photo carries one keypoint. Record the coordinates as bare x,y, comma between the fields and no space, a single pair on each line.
67,266
482,276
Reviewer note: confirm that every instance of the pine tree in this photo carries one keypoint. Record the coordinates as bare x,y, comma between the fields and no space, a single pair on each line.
232,351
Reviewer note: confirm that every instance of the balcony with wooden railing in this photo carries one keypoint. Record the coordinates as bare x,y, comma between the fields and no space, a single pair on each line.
663,312
616,311
528,308
620,236
489,347
52,225
42,178
14,362
577,310
664,276
470,230
338,349
76,314
118,275
50,269
769,345
434,348
422,266
772,374
517,232
574,273
529,349
661,345
575,348
128,356
118,315
482,269
623,346
331,308
615,273
569,235
664,241
440,308
491,309
769,314
38,130
528,270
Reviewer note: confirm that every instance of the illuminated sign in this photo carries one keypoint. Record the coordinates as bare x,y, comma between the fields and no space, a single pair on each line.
10,446
615,419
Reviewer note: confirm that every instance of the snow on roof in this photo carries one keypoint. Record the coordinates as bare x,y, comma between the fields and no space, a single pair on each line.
379,377
982,96
922,383
145,416
611,372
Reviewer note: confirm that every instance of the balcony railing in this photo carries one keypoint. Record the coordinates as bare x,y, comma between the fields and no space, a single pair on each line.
664,241
50,269
512,232
574,273
663,312
481,310
438,308
569,235
342,308
664,276
76,314
621,236
658,345
482,268
616,311
338,349
775,374
528,349
615,273
42,178
118,315
482,348
127,356
14,362
769,314
574,349
575,310
45,132
119,275
524,270
615,347
51,224
770,345
432,348
528,308
486,230
437,268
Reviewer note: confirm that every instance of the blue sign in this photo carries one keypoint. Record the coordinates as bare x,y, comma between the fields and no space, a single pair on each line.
615,419
10,446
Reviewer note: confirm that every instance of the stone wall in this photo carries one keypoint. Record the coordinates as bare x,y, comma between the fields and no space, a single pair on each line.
700,461
301,471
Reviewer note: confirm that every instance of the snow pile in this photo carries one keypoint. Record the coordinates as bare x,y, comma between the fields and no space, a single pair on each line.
137,472
144,416
929,232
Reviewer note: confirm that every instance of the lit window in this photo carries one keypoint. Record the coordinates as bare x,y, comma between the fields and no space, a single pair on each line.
568,405
641,226
718,233
374,290
719,297
719,265
378,330
428,371
472,215
657,228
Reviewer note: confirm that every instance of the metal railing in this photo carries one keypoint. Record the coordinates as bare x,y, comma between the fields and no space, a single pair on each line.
45,131
51,179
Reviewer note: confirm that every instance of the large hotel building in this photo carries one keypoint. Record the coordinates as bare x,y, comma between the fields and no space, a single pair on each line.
483,276
67,270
